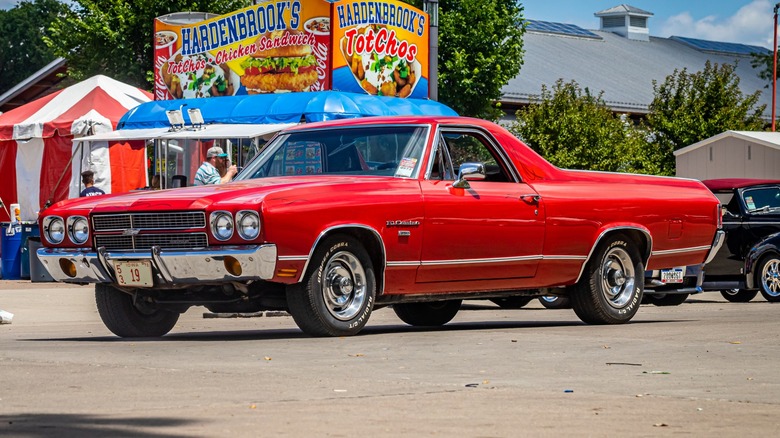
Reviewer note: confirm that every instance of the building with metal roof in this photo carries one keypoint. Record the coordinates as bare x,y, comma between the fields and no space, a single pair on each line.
731,154
622,60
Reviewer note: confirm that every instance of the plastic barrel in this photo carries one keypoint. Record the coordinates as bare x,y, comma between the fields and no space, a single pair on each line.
10,255
29,230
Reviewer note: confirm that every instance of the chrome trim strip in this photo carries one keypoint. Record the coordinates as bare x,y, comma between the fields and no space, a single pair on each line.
682,250
486,260
564,257
399,264
258,262
292,258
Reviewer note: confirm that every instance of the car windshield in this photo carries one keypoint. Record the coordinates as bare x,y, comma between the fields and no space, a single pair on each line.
762,199
366,150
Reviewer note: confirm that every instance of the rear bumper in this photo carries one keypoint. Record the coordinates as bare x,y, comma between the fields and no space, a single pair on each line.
717,242
170,267
692,280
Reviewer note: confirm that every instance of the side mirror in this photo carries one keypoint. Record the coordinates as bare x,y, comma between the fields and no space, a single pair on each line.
469,172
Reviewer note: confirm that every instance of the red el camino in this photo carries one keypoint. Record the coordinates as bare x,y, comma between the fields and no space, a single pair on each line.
333,220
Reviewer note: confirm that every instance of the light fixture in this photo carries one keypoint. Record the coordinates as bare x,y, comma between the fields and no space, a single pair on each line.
196,118
176,119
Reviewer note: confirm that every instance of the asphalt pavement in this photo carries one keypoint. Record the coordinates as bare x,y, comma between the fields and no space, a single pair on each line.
704,368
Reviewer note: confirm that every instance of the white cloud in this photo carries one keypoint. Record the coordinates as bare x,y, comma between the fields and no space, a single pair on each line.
8,4
751,24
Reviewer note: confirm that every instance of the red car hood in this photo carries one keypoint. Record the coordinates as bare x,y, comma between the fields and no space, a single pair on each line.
249,192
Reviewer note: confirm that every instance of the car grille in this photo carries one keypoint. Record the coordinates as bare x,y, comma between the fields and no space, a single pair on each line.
168,230
149,221
146,241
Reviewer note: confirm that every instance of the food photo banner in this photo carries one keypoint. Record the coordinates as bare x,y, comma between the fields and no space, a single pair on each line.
374,47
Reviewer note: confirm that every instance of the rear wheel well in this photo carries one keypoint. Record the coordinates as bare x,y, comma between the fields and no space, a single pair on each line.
373,245
638,238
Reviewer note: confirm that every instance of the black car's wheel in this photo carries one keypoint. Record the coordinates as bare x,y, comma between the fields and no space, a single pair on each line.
126,319
611,289
512,302
769,278
555,302
431,314
337,293
665,299
738,295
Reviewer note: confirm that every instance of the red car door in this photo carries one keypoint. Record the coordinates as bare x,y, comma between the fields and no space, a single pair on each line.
492,230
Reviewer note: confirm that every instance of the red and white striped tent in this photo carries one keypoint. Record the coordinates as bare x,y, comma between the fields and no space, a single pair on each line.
39,159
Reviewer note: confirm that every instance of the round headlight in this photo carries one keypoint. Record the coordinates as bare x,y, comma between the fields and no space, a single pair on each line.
78,229
248,224
54,229
222,225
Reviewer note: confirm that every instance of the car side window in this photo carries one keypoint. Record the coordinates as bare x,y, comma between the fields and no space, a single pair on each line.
467,147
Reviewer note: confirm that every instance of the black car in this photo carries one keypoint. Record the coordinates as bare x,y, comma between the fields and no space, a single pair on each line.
747,263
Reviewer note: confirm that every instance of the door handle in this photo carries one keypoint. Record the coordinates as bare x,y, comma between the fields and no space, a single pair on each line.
531,199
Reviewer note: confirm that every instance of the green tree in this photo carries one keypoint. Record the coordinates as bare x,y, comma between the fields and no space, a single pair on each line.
690,107
480,50
114,37
573,128
763,63
22,50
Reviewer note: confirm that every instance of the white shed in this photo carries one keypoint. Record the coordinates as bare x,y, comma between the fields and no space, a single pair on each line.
731,154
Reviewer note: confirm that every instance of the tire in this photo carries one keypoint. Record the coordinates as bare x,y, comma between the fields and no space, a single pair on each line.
126,320
611,289
555,302
738,295
663,300
338,290
768,278
432,314
511,302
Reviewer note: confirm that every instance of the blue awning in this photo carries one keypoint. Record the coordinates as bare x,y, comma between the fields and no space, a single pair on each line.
313,106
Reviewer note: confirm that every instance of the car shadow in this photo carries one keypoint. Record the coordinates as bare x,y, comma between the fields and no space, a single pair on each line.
34,425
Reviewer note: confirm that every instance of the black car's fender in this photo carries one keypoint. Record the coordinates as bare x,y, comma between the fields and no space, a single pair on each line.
768,244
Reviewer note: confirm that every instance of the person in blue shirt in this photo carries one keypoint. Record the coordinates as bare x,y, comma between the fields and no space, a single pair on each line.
88,179
208,172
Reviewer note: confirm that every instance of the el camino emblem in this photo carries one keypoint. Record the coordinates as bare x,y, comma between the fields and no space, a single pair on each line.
403,223
130,232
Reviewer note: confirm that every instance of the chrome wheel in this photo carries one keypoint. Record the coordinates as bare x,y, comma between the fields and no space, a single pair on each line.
770,279
344,285
617,277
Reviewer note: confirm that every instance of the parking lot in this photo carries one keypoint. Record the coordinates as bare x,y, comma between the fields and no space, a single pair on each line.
705,367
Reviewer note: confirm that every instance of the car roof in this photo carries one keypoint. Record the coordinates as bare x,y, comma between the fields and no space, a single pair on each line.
394,120
725,184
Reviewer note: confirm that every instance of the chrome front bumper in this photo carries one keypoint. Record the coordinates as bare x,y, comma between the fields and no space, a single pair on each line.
171,267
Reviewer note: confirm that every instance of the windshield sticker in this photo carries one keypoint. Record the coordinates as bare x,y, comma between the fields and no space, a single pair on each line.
750,204
406,168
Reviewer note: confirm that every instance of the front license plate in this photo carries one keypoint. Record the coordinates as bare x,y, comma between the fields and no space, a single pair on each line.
672,275
136,273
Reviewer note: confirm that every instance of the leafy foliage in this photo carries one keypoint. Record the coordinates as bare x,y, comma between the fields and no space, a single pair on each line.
114,37
480,50
763,63
573,128
690,107
22,28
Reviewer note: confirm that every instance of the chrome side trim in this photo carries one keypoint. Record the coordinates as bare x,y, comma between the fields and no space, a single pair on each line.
292,258
475,261
258,262
682,250
398,264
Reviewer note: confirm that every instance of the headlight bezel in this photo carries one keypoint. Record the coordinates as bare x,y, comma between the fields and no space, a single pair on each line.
48,221
71,229
214,218
243,215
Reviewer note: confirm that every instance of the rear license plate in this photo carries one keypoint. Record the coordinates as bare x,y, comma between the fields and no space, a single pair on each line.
135,273
672,275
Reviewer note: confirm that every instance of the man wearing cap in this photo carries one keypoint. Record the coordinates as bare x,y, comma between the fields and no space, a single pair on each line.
88,179
208,172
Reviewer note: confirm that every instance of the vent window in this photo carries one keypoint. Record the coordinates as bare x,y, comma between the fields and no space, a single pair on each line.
613,21
638,21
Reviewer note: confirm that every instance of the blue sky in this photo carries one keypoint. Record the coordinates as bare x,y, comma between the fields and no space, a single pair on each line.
738,21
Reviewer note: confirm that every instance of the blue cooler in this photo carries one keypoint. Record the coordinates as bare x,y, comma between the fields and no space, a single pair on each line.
10,250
